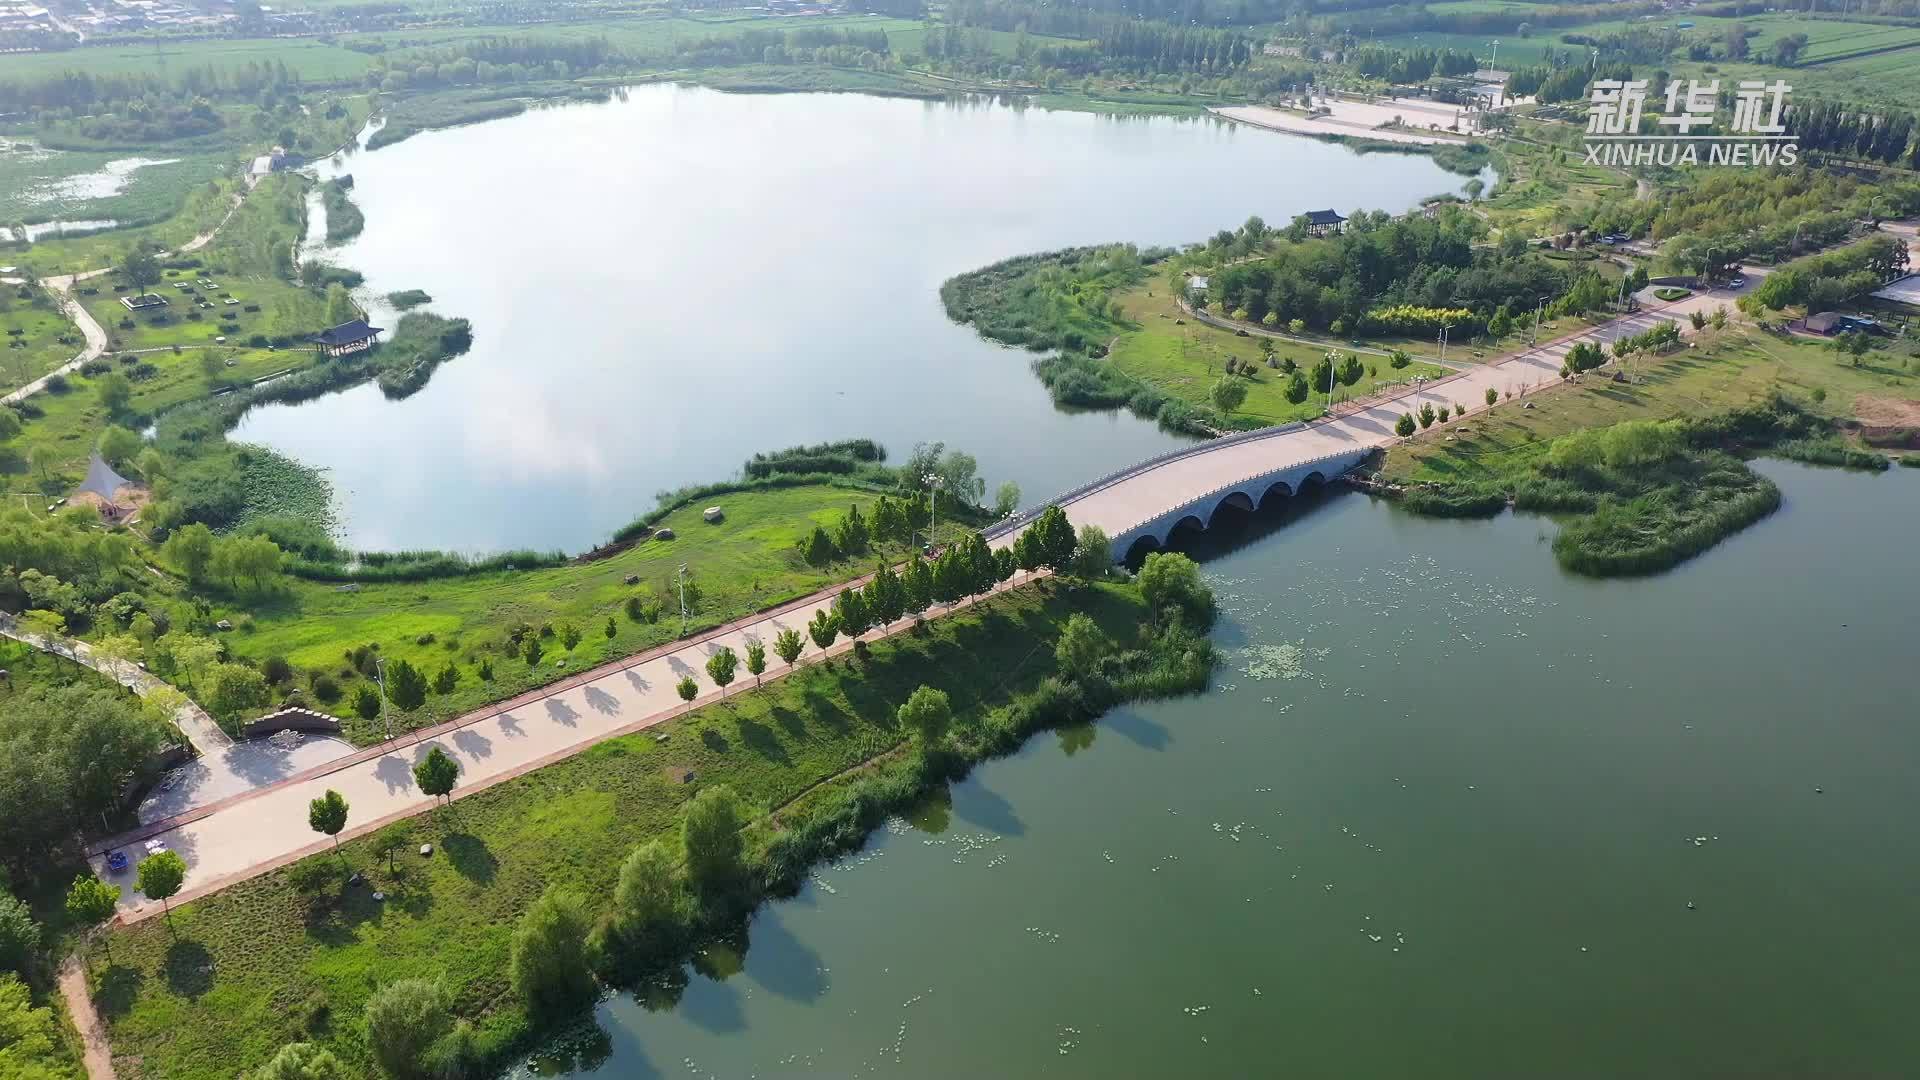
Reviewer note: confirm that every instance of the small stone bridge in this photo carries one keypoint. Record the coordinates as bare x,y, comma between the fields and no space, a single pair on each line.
1141,506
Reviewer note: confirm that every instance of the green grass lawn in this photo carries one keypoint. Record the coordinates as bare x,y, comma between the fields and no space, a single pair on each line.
284,310
42,185
37,348
747,562
1183,358
257,965
1731,367
71,422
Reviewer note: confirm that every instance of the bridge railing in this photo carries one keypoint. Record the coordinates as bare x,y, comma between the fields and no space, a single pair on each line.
1222,489
1017,520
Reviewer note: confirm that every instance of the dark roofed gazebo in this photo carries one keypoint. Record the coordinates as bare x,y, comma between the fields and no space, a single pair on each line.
1322,222
348,337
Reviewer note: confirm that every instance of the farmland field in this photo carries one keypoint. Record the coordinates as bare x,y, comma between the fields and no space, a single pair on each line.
308,59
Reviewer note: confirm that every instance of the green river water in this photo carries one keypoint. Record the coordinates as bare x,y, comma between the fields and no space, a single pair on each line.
1443,813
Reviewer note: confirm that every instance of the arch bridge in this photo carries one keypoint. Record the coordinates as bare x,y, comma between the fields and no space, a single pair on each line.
1144,504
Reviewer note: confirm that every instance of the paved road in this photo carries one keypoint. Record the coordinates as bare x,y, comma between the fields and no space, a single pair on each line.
1126,504
253,833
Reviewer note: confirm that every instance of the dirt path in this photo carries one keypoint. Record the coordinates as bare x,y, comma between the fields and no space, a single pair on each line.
96,1054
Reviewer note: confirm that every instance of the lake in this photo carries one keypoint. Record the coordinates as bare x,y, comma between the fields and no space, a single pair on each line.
1446,812
664,284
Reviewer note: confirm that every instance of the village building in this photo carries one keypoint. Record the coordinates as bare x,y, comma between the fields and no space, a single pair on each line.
348,337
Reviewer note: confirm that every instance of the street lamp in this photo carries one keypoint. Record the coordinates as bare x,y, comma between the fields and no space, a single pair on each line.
380,678
681,576
1538,307
934,482
1443,342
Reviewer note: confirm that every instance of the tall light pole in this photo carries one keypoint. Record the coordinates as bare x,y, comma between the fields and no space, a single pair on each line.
1443,342
1495,62
1538,307
933,482
380,678
1330,377
681,575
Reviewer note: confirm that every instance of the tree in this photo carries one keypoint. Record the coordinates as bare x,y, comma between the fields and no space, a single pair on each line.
850,613
90,903
548,963
447,680
1005,501
1493,397
9,424
569,636
720,667
1093,554
366,703
117,445
648,894
886,596
255,558
823,628
710,833
437,773
817,549
328,814
140,270
406,686
687,689
787,645
1351,370
211,366
1170,580
1082,643
29,1037
1297,388
1228,393
926,713
756,660
404,1020
530,649
1404,427
917,586
1054,533
115,391
234,689
159,877
19,935
851,536
340,307
190,548
302,1061
1426,415
611,630
392,840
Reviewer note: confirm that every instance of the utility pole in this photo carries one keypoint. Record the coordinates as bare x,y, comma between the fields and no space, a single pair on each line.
681,575
380,678
1537,309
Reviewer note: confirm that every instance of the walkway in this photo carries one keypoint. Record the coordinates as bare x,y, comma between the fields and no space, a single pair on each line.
200,729
239,838
1127,501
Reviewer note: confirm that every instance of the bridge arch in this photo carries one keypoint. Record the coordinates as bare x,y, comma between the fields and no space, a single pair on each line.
1313,480
1143,545
1185,521
1280,488
1237,500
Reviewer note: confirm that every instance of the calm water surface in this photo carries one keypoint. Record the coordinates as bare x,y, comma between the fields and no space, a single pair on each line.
1442,814
663,285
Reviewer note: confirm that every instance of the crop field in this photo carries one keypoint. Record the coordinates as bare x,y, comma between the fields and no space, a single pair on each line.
311,60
